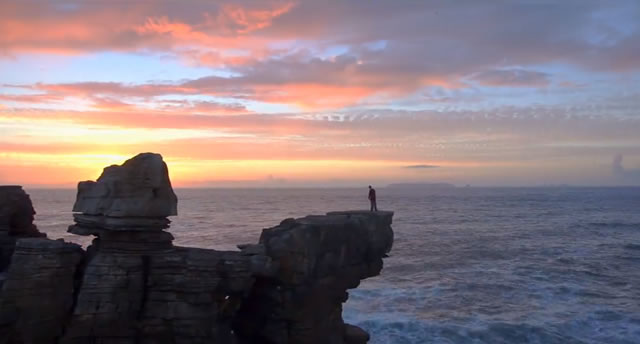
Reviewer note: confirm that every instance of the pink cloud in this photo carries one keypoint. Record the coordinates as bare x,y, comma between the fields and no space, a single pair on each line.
206,28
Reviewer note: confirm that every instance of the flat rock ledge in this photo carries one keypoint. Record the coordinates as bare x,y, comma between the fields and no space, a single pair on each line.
132,285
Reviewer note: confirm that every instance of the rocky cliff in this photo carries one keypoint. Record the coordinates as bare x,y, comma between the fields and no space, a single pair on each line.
132,285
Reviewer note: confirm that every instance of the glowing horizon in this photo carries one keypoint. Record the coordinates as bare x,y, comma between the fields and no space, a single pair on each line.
295,93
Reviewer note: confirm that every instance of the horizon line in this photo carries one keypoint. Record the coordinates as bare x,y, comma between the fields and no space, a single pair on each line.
453,186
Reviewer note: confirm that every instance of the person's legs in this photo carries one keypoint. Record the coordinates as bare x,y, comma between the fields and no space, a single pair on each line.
372,205
375,205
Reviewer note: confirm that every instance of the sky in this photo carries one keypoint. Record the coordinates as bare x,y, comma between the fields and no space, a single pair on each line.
322,93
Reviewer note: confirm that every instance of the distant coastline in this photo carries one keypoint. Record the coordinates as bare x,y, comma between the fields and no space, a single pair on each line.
421,186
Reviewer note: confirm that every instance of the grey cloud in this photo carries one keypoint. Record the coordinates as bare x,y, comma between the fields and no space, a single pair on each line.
512,77
464,36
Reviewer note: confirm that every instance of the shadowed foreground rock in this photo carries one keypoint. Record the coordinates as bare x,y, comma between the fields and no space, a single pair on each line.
37,295
319,259
16,221
132,285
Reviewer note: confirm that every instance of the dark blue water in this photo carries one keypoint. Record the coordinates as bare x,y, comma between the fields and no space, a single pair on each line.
469,265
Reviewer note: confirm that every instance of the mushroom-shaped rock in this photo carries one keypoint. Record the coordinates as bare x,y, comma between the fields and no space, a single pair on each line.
136,196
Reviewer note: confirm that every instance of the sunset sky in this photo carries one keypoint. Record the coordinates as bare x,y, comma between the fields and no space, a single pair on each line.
322,93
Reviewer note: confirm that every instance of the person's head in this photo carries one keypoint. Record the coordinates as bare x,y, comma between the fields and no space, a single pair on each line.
369,186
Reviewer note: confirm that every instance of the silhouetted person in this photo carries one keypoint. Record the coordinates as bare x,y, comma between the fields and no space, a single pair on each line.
372,198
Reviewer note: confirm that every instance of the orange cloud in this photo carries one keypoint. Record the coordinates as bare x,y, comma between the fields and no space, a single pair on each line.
42,98
109,104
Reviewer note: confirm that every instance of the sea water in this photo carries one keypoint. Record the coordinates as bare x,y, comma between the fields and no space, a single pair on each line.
469,265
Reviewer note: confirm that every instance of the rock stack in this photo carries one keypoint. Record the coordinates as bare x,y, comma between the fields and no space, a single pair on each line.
16,220
127,207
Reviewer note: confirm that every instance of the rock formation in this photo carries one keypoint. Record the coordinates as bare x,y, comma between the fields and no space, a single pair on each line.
132,285
319,259
16,220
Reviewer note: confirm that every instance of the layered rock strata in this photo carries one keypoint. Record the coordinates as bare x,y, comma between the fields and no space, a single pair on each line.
137,287
132,285
38,293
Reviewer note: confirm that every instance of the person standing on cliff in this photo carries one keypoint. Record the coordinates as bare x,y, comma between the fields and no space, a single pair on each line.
372,198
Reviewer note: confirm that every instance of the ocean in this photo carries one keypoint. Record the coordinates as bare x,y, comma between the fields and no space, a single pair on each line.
469,265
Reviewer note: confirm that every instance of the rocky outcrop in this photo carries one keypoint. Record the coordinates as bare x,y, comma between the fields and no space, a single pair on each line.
132,285
16,220
319,259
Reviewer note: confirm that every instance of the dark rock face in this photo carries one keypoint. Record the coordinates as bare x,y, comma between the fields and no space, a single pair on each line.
37,295
16,220
319,259
16,210
180,295
355,335
132,285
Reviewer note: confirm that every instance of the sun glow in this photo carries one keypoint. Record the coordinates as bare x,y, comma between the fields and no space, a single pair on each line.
66,169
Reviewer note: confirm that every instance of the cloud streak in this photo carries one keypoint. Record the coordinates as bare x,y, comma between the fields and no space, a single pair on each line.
421,167
512,77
